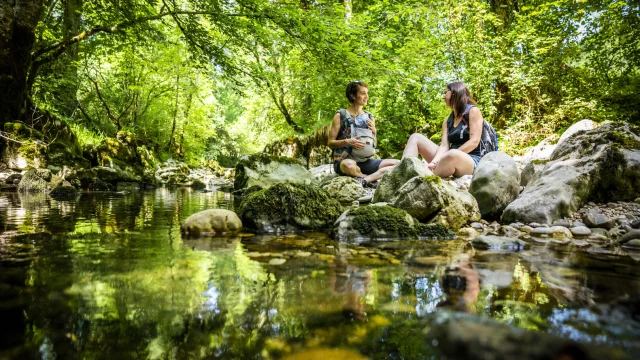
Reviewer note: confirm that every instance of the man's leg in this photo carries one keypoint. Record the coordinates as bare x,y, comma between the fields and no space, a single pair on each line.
350,168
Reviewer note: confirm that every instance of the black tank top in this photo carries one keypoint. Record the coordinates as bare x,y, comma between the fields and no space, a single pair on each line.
460,134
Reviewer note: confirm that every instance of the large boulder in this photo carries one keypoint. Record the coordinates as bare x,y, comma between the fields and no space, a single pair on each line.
38,180
375,222
432,200
29,149
265,171
288,207
344,189
172,172
212,222
599,165
495,183
322,174
393,180
530,169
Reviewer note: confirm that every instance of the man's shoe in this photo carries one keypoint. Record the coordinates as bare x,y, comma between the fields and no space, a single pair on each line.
362,181
372,185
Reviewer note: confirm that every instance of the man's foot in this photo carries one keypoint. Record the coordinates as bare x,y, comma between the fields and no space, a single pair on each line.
372,185
362,181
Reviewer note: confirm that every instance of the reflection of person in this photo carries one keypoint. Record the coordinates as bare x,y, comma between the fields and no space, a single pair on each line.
353,284
459,151
461,283
352,152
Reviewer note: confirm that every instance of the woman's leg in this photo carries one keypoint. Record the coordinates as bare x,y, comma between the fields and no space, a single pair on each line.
419,144
456,163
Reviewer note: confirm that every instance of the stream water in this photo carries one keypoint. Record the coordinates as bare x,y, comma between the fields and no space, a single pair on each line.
109,276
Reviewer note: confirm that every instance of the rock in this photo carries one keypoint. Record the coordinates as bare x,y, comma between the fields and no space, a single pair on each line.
595,220
581,243
541,231
495,184
541,152
581,231
265,171
629,236
212,222
463,336
393,180
10,180
172,172
564,223
594,165
344,189
127,186
322,174
467,233
532,168
197,184
463,182
581,125
63,190
36,180
277,261
637,200
478,226
561,231
429,199
578,223
385,222
491,242
30,152
616,232
5,187
527,229
289,207
99,185
509,231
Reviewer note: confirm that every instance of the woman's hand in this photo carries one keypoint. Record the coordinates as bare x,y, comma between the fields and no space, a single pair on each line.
372,125
355,143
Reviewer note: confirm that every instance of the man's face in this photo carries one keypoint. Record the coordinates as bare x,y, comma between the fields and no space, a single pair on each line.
362,96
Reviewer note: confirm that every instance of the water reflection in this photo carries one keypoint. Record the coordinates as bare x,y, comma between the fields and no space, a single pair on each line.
110,274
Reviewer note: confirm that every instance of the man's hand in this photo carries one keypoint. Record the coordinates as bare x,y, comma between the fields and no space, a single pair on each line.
355,143
432,165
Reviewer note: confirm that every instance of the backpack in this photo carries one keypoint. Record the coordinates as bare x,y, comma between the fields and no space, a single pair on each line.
489,137
366,135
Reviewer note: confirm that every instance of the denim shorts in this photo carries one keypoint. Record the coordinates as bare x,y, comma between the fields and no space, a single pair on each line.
476,160
367,167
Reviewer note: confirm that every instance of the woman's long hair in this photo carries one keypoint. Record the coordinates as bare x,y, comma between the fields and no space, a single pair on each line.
460,97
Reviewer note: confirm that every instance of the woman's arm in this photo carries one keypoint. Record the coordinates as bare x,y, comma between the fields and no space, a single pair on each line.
333,143
443,148
475,130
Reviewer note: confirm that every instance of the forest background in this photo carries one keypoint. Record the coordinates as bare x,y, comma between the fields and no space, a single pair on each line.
210,80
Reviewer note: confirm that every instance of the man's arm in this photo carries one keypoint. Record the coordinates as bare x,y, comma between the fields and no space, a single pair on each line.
333,143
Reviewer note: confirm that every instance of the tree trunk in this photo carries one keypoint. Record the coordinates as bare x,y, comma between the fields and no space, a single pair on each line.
66,65
18,21
348,9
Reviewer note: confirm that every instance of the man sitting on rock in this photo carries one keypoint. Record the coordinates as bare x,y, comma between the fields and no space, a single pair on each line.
353,139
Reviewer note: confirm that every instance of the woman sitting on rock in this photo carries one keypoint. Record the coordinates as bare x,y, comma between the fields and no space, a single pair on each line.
459,151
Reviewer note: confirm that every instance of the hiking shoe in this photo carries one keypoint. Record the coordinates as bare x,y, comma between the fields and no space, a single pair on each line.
362,181
372,185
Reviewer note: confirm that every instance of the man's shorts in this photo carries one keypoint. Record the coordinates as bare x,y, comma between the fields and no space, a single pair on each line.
367,167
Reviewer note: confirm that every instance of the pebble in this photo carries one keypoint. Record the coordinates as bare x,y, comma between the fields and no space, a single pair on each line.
509,231
277,261
563,223
535,225
594,220
541,231
526,229
581,231
598,238
633,243
578,223
477,226
517,225
635,224
561,231
303,254
467,233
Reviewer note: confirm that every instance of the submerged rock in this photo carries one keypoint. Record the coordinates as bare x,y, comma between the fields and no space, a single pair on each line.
432,200
495,184
491,242
212,222
289,207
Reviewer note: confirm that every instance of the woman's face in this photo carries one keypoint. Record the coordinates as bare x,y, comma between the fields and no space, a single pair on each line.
447,97
362,96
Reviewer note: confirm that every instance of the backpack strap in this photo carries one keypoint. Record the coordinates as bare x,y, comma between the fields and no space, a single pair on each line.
465,115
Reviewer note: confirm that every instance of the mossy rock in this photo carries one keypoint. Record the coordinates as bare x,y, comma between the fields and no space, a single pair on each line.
36,180
60,154
197,184
289,207
29,153
344,189
20,131
147,158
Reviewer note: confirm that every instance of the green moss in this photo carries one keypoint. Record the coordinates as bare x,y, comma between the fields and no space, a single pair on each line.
267,159
432,178
22,131
539,161
626,141
617,180
290,201
434,231
367,219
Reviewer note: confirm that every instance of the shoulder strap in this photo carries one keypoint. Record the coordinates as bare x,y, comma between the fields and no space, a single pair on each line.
465,114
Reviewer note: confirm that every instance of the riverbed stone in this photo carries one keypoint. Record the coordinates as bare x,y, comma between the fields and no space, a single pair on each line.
212,222
345,189
563,222
495,184
581,231
633,234
492,242
430,199
561,231
127,186
541,231
595,165
36,180
63,190
393,180
288,206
